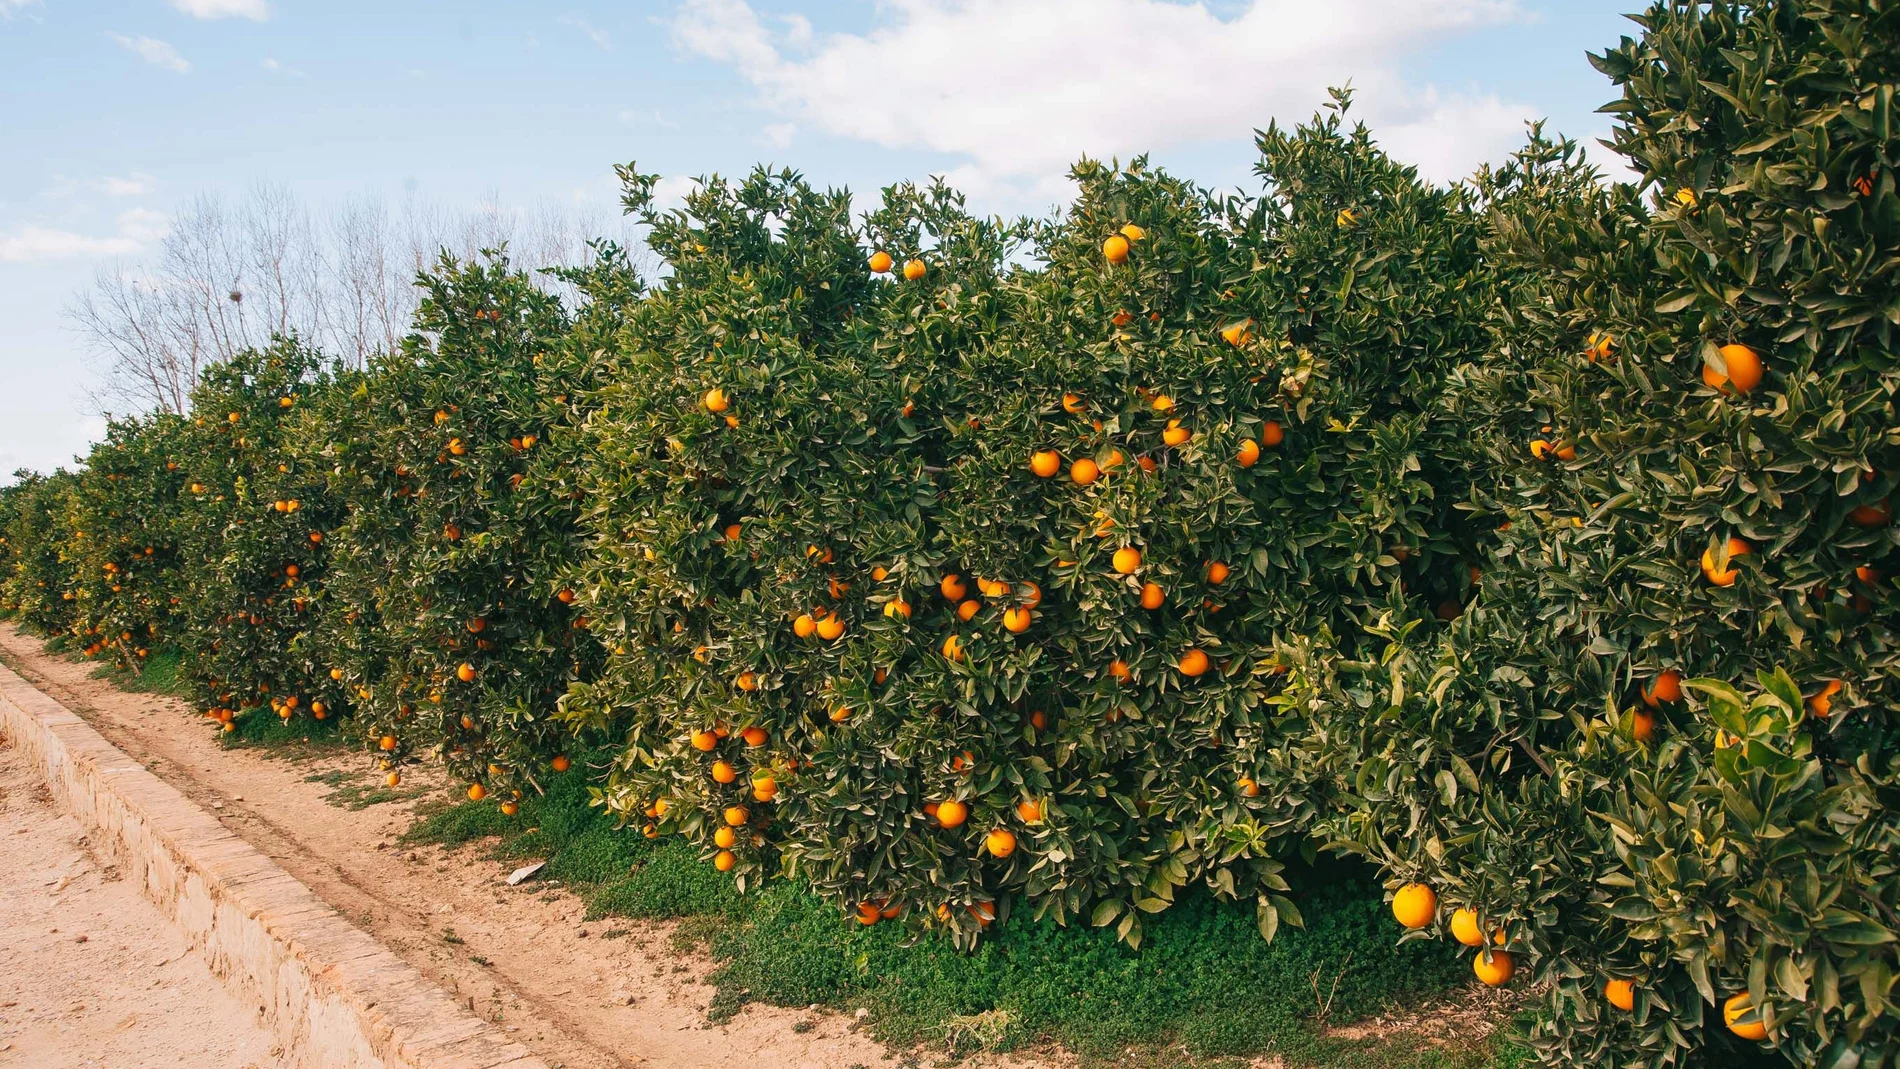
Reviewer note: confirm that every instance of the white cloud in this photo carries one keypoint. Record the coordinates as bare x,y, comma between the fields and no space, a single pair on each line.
131,185
594,34
10,8
38,244
156,52
778,134
671,190
1023,87
255,10
272,65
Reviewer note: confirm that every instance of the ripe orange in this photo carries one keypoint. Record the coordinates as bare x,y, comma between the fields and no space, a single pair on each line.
565,597
840,714
1217,573
1822,704
1415,905
747,681
1725,576
952,587
880,262
1193,663
968,610
1074,405
953,648
1029,811
1248,787
1249,454
723,861
388,742
913,270
1152,596
1000,843
1119,669
1116,249
754,735
1464,927
869,913
1175,434
764,788
830,628
1642,726
1017,620
1127,560
1133,232
476,792
897,607
1744,370
804,626
724,838
952,813
1272,434
1045,463
1031,594
1494,967
722,772
1743,1019
736,815
509,809
394,779
1621,994
465,673
1666,688
1084,472
705,741
1238,334
1874,515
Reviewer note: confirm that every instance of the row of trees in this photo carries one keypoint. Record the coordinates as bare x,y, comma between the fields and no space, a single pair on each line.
1530,539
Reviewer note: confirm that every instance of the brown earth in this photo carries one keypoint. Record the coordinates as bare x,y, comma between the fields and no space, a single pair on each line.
523,957
92,974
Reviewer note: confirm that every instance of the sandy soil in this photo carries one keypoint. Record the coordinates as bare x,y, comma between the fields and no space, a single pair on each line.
92,974
520,956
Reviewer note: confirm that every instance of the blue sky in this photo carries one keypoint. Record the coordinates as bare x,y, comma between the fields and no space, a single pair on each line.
115,113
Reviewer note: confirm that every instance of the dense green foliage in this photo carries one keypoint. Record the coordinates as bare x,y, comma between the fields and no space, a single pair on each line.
1529,539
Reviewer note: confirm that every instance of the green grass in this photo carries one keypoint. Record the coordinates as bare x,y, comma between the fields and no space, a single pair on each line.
157,675
1203,990
356,789
262,728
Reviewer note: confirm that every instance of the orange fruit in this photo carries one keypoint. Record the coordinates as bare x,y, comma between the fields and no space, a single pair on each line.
388,742
1116,249
869,913
465,673
1120,670
705,741
736,815
840,714
1073,404
1666,688
747,681
1045,463
1029,811
880,262
764,788
1874,515
476,792
715,400
952,813
1238,334
1133,232
1249,453
1217,573
953,648
1415,905
1032,595
509,809
968,610
1725,576
1193,663
1621,994
1127,560
565,597
1017,620
897,607
1744,370
804,626
1822,704
1494,967
1642,726
913,270
1084,471
1464,927
724,838
1742,1018
723,772
1175,434
1152,596
952,587
1272,434
723,861
560,763
754,735
1000,843
830,628
394,779
1248,787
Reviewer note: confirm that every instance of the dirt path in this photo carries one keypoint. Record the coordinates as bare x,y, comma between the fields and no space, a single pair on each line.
522,956
92,974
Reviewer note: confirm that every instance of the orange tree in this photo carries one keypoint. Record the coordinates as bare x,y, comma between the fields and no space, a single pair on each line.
120,539
956,589
36,584
256,519
445,616
1688,415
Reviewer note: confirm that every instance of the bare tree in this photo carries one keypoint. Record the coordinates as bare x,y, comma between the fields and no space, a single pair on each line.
225,279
